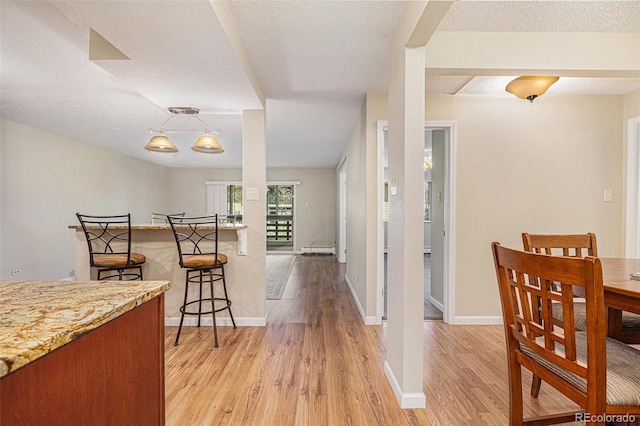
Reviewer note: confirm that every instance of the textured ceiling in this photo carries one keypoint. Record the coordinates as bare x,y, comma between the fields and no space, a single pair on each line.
544,16
315,61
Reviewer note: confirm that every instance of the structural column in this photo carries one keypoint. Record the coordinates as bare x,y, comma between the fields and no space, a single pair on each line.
254,210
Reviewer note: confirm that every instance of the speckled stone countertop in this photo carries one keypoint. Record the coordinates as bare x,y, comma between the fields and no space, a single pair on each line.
37,317
162,226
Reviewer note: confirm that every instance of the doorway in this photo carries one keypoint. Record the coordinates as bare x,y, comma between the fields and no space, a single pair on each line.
280,218
439,218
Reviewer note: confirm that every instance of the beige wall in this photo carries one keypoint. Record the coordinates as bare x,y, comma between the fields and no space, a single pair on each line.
44,184
188,190
316,204
46,179
631,110
538,167
317,189
357,195
632,105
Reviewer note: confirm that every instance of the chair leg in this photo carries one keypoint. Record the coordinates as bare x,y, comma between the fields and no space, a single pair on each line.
184,306
515,394
200,300
213,310
224,286
535,386
120,271
140,269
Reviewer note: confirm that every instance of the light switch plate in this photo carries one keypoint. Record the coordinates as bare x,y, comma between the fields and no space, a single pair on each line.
608,194
253,194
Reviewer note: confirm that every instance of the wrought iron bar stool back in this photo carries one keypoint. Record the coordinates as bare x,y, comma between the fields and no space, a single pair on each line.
197,241
109,242
162,217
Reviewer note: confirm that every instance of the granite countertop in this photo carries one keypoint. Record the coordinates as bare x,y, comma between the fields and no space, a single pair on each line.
37,317
161,226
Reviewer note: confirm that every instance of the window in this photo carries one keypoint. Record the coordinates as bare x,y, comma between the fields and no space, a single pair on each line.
234,199
427,201
280,200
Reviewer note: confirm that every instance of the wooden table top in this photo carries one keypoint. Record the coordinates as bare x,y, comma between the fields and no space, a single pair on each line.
618,283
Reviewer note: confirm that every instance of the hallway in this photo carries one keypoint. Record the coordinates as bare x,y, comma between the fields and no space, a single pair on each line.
315,363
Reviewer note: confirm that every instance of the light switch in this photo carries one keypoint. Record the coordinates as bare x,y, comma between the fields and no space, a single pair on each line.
253,193
608,194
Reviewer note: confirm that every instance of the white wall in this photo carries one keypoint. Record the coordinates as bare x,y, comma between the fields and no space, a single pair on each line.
46,179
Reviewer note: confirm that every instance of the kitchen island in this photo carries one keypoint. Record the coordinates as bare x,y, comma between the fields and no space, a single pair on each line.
157,243
74,352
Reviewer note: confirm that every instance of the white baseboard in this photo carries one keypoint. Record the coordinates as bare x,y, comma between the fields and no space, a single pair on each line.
220,321
464,320
437,304
405,399
70,278
365,319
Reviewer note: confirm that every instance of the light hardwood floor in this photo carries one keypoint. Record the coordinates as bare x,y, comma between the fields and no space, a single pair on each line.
316,364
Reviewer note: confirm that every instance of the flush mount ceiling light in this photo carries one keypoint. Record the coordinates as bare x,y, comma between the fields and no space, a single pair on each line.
205,144
530,86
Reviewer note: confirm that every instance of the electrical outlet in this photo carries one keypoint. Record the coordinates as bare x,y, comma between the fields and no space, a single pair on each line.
16,271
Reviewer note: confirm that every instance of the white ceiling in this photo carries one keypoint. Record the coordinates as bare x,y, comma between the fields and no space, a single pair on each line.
315,61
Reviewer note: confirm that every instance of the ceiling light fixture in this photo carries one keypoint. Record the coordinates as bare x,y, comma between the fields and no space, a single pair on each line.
530,86
205,144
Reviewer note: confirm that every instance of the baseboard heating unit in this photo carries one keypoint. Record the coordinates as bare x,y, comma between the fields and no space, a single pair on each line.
318,250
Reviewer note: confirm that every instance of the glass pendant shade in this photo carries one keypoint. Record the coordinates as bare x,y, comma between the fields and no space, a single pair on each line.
530,86
207,144
160,143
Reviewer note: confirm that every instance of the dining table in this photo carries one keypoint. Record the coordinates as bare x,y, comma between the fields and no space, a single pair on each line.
621,292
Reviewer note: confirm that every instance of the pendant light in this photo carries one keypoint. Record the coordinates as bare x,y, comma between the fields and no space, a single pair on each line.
206,144
160,143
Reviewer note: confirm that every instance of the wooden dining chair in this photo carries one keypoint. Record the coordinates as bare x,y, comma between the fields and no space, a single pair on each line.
575,245
579,245
600,374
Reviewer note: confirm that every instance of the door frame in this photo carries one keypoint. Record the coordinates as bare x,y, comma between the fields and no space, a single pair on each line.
449,217
632,232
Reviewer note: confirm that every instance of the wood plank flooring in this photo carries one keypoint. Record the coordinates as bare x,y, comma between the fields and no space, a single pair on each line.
316,364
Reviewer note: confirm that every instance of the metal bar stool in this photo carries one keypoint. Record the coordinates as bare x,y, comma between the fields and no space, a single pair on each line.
197,241
109,241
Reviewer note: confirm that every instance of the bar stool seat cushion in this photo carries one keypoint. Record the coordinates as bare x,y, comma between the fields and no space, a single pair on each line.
114,260
201,260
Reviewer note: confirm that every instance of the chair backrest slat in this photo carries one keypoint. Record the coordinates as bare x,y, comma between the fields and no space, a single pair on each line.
575,245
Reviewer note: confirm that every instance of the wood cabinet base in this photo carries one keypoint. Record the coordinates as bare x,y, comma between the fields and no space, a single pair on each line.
113,375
